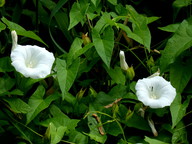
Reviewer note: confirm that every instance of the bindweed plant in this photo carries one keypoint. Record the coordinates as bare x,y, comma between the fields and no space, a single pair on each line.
92,71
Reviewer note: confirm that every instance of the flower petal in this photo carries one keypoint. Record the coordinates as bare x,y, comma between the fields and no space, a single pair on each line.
155,92
32,61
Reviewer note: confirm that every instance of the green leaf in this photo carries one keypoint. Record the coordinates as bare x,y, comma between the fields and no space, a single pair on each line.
131,96
96,2
77,137
121,10
24,84
103,99
21,31
60,119
49,5
5,65
170,28
103,22
25,135
75,47
38,103
2,3
182,3
14,92
66,75
152,19
121,141
180,72
116,75
57,7
17,105
179,42
62,21
104,44
118,91
76,50
6,83
2,26
138,122
154,141
139,25
83,50
180,134
178,109
113,2
129,33
112,128
61,67
77,13
56,133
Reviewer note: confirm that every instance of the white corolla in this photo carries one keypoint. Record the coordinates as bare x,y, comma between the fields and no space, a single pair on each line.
31,60
155,92
123,63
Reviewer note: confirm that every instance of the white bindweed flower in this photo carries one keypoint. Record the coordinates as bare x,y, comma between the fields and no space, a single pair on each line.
123,63
32,61
155,92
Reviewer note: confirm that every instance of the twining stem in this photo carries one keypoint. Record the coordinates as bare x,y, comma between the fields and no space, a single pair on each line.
100,128
188,113
183,127
90,25
111,104
112,121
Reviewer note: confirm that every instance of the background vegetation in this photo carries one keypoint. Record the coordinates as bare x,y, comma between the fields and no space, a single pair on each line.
88,99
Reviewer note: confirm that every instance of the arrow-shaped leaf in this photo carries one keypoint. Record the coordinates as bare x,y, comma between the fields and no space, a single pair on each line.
38,103
179,42
104,44
66,75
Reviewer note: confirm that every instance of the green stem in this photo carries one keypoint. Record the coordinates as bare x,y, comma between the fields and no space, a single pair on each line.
112,120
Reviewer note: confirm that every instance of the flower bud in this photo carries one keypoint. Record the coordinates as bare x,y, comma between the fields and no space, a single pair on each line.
80,94
129,114
150,62
48,132
123,62
130,73
86,39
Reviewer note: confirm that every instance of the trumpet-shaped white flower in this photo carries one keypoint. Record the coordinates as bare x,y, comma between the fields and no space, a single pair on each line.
155,92
32,61
123,63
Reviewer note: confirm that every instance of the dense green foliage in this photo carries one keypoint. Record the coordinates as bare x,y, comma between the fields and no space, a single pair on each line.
88,99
